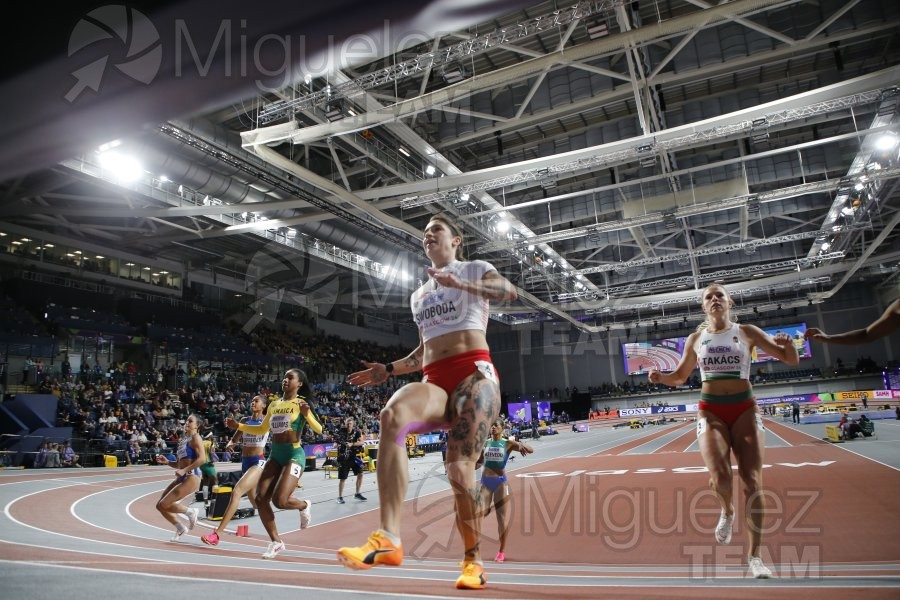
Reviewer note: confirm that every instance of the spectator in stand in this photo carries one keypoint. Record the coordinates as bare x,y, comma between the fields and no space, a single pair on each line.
39,370
53,461
884,325
133,452
65,368
27,367
40,459
349,442
728,418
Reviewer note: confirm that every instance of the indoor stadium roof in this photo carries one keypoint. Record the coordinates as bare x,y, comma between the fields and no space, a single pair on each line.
610,158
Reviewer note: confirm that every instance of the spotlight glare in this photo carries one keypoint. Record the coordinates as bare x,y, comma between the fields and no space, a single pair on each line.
887,141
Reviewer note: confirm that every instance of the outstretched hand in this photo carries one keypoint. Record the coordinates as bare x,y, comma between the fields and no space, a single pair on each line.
654,376
444,278
814,333
374,374
231,423
783,339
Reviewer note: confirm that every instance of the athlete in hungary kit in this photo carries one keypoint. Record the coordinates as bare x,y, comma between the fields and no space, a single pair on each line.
494,489
252,462
459,391
728,420
285,419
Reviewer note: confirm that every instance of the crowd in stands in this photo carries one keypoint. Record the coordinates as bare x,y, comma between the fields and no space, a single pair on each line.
53,455
16,320
120,408
139,419
216,369
639,387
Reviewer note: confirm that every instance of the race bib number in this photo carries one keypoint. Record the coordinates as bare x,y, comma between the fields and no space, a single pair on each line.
701,426
279,423
296,470
494,454
486,368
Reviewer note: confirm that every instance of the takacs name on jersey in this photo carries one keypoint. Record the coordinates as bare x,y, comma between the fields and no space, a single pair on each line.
700,469
721,360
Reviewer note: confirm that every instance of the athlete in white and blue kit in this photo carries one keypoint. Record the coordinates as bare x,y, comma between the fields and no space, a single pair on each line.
188,458
494,488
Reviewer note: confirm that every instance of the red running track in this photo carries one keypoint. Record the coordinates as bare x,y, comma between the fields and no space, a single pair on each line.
623,525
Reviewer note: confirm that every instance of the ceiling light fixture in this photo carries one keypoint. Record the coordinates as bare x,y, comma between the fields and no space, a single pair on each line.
334,112
597,29
453,73
886,141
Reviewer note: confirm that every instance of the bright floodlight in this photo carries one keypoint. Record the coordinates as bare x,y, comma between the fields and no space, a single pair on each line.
887,141
429,170
503,226
121,167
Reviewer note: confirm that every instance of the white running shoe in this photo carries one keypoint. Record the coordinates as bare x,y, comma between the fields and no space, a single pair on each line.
192,515
723,528
758,569
273,550
180,530
306,515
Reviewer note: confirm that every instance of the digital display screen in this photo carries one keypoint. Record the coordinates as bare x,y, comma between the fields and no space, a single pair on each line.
663,355
519,412
543,411
796,332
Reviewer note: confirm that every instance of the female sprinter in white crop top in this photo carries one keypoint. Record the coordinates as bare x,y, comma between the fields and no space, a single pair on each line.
728,419
459,391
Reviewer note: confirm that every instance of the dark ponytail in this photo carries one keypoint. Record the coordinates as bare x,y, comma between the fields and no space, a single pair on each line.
305,389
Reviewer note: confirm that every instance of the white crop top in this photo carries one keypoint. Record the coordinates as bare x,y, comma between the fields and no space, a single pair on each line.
438,310
723,355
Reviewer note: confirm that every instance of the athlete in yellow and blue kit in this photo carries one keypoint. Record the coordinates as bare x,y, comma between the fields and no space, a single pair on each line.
286,459
252,463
